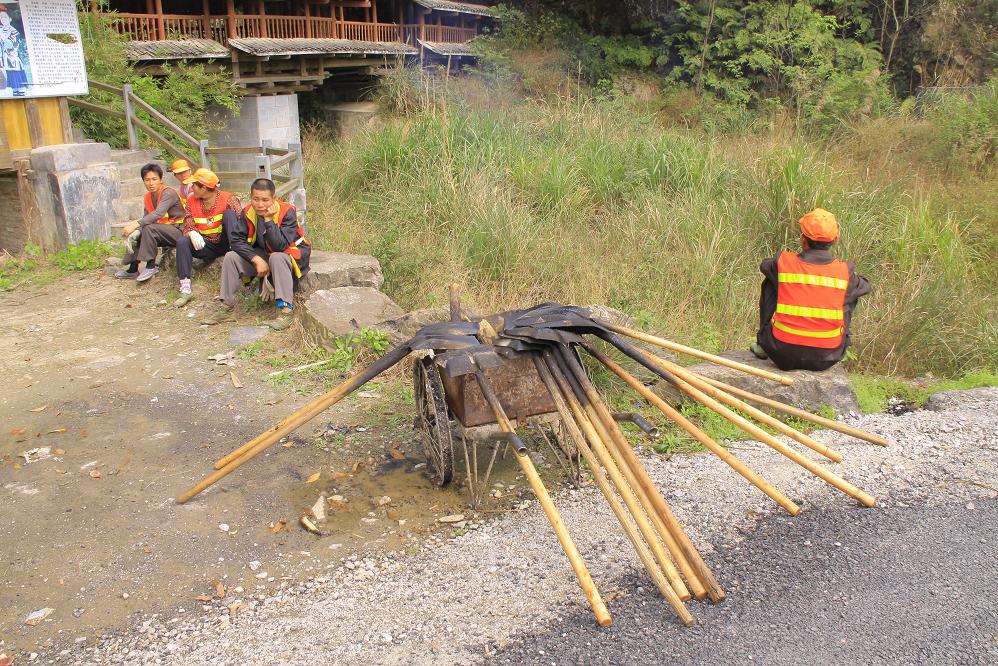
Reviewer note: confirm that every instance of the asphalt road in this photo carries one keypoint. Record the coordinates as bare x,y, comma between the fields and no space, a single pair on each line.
898,585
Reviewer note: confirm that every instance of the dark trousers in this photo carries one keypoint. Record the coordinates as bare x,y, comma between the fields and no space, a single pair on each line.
152,237
186,254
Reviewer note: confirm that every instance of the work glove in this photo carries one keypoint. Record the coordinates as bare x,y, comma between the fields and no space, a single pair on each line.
266,290
197,240
133,240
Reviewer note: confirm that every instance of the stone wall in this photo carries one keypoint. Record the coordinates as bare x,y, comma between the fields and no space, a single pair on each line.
271,120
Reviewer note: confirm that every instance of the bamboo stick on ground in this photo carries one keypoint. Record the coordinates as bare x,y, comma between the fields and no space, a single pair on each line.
291,423
644,554
565,394
686,546
756,414
752,429
831,424
607,449
676,347
560,530
696,432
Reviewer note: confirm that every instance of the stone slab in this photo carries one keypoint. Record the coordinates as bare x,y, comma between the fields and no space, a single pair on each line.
330,313
810,390
246,335
69,156
80,202
330,270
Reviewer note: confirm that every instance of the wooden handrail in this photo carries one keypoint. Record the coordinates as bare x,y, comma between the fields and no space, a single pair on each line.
170,125
163,140
95,107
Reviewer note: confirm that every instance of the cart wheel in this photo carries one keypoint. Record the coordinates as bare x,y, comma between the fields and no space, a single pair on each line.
433,421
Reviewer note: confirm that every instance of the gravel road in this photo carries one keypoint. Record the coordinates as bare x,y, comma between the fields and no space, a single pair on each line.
910,580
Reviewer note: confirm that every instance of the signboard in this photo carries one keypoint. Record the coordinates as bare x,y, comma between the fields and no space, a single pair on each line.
40,49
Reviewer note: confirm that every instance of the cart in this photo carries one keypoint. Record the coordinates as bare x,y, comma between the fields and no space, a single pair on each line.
454,408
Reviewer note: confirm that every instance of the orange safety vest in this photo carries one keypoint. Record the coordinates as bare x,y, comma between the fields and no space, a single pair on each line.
150,207
810,301
208,223
185,191
293,250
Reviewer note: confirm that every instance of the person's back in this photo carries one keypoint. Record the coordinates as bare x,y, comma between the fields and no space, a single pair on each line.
807,300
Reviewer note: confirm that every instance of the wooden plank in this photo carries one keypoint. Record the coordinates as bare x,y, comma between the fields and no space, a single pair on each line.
287,188
287,158
36,130
233,150
83,104
51,121
65,120
103,86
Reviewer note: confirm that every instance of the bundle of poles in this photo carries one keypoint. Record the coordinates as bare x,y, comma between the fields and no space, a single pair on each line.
553,336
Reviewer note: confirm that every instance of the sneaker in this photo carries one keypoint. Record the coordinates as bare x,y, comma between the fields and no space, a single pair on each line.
759,352
125,274
146,274
281,322
221,313
185,298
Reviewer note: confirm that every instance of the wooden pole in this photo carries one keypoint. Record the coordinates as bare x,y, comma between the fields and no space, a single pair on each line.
263,18
230,18
757,414
160,27
302,416
800,413
206,18
696,432
574,420
675,346
752,429
454,294
308,20
560,530
686,547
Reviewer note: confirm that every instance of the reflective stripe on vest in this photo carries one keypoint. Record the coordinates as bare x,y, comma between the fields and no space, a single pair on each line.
209,225
166,219
810,302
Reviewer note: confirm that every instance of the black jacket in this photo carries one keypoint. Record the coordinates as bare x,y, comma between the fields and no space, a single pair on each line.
798,357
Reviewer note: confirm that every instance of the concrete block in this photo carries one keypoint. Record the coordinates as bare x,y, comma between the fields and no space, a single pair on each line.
69,156
329,270
80,202
330,313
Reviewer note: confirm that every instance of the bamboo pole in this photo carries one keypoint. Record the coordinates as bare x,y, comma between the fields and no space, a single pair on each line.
562,392
696,432
607,448
675,346
644,554
686,546
757,414
800,413
296,420
560,530
752,429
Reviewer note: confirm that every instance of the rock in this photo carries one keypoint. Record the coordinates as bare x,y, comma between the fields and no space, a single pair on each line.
112,265
330,313
455,518
810,390
940,402
329,270
244,335
404,327
610,315
37,616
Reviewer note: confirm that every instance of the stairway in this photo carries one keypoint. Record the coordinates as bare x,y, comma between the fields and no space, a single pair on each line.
128,207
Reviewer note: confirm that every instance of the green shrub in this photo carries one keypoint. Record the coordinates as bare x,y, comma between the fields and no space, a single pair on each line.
84,256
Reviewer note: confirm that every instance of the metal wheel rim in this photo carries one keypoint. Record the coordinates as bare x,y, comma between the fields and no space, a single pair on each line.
433,421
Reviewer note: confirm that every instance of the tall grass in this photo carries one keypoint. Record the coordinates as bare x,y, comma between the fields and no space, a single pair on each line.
585,202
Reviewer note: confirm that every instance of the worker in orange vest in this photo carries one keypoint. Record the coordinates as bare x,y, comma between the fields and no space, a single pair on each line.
182,171
807,300
211,215
269,243
160,227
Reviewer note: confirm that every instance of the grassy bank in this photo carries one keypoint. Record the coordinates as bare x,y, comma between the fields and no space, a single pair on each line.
578,201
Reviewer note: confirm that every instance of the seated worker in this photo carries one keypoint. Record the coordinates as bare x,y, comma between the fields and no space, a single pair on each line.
182,171
159,228
211,215
807,300
267,241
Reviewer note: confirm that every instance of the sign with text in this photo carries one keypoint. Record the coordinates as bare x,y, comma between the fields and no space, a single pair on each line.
40,49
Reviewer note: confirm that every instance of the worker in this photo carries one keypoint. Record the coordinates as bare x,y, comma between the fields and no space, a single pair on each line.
211,214
268,242
182,171
160,227
807,300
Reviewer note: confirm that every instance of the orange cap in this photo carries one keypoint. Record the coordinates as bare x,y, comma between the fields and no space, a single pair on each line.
820,225
180,166
206,177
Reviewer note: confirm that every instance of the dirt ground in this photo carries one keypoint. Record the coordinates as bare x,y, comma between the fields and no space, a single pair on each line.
118,386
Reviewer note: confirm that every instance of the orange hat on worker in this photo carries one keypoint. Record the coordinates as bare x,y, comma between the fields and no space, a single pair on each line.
203,176
180,166
820,225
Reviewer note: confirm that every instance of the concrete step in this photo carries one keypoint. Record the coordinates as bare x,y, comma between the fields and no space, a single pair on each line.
130,161
132,188
128,209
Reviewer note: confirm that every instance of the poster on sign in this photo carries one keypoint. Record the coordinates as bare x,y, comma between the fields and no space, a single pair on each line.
40,49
